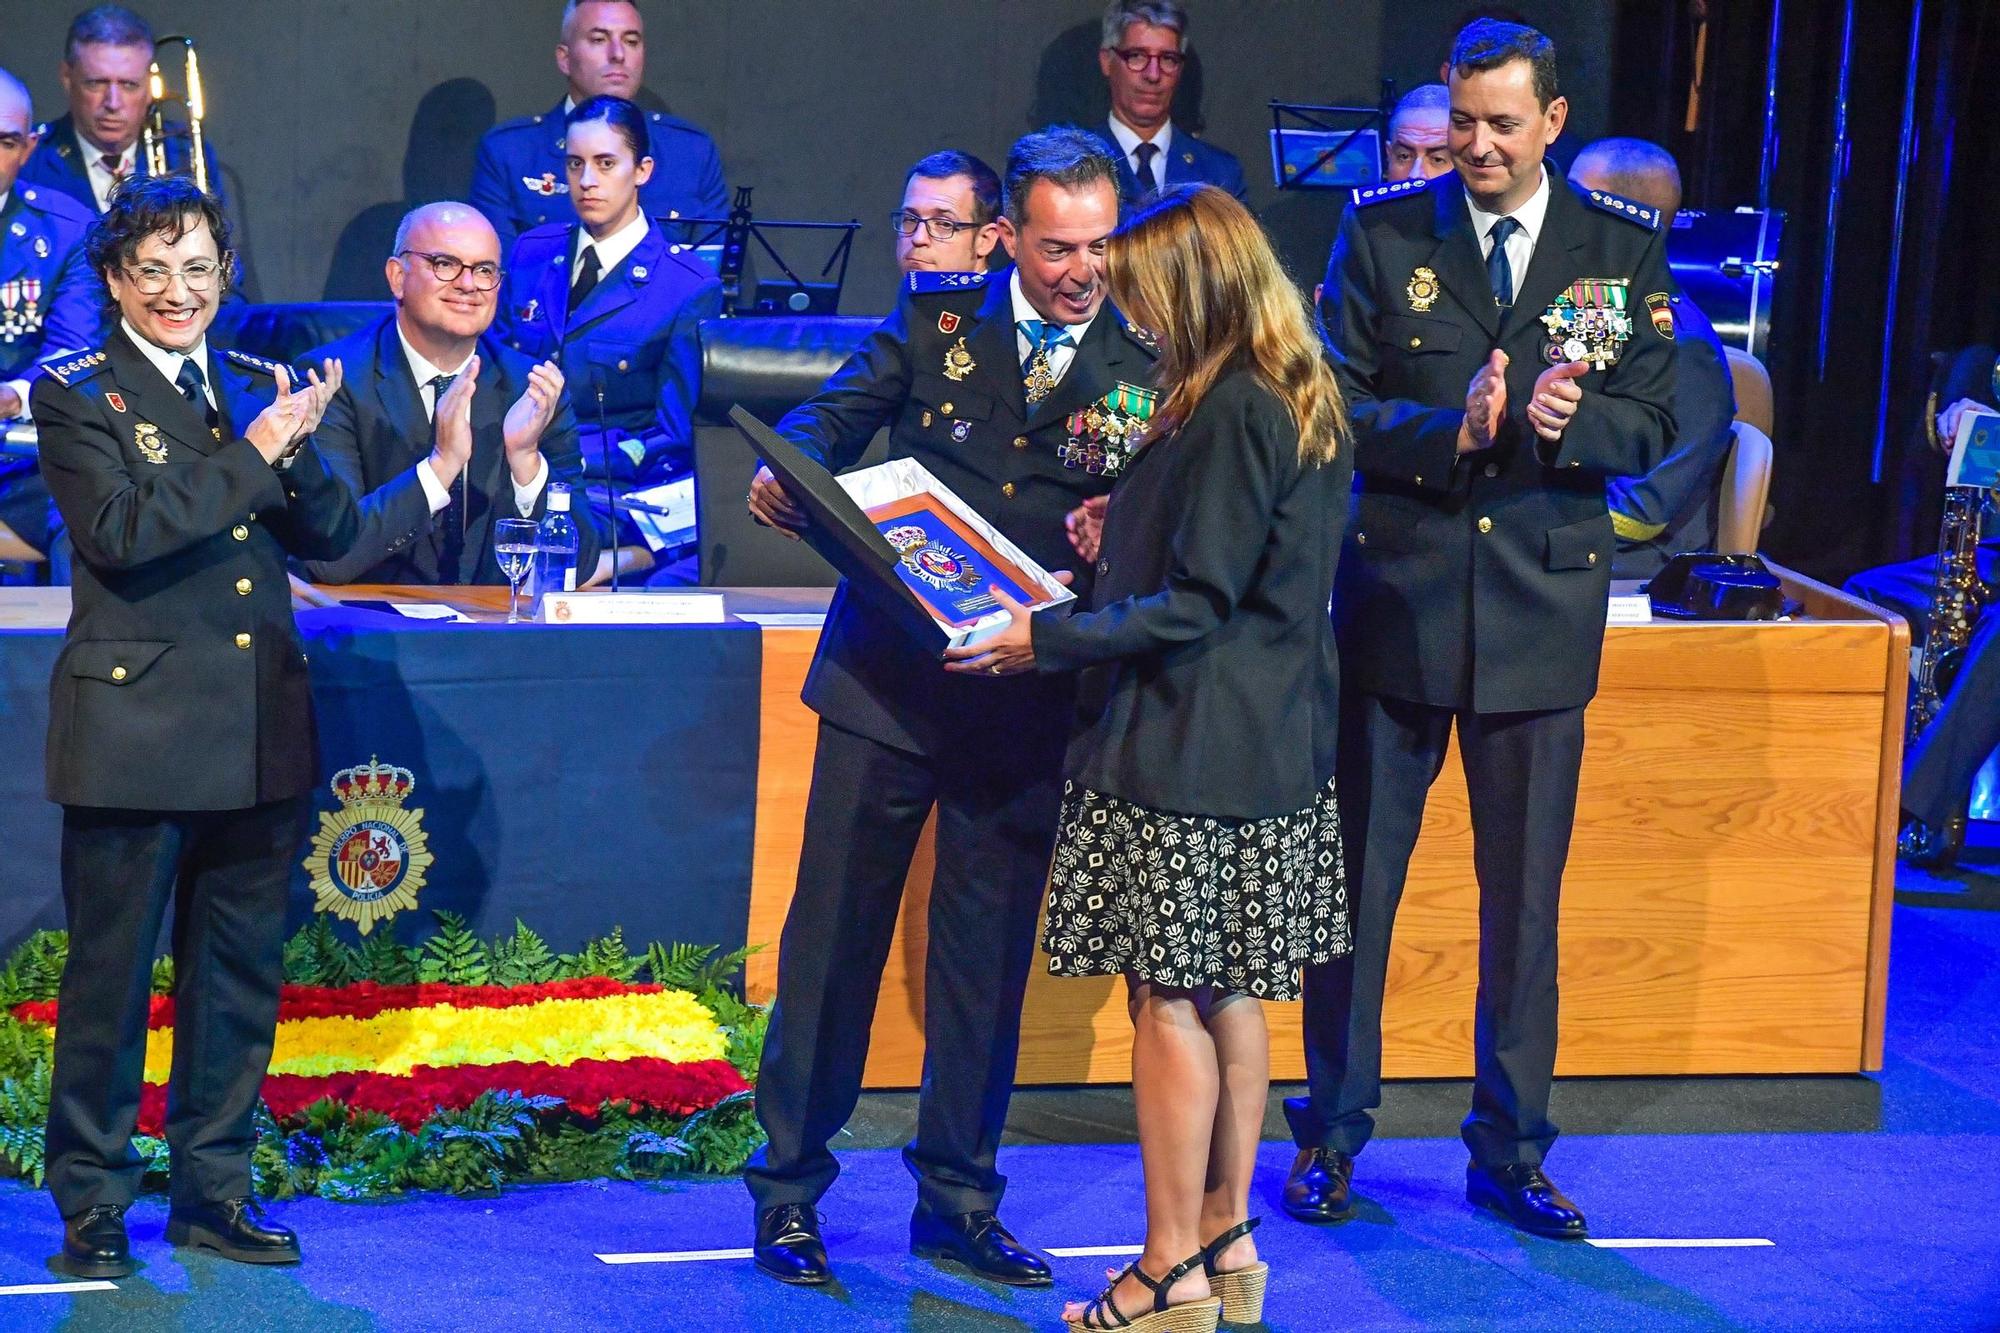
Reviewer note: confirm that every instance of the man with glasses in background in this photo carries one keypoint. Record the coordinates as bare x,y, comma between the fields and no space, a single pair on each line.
1143,55
949,220
440,429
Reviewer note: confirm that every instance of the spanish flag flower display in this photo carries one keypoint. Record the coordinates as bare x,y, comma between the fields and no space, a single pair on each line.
457,1065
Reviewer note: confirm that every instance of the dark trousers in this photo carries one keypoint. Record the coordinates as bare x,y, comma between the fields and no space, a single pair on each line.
996,824
1939,770
1521,777
226,873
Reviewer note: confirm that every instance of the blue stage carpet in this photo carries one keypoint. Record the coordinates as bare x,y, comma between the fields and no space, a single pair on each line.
1892,1227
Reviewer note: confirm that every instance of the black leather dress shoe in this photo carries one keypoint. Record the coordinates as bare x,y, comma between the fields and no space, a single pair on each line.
235,1229
1317,1189
94,1243
789,1248
1527,1198
980,1242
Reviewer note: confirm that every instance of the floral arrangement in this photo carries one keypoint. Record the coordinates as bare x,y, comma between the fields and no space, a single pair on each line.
458,1065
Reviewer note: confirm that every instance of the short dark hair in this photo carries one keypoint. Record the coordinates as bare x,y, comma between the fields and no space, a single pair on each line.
1064,154
623,116
950,162
143,206
1487,44
106,25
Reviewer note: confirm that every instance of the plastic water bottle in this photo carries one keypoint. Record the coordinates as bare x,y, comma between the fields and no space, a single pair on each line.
555,547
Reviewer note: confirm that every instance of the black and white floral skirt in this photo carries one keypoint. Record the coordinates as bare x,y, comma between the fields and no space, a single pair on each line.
1189,901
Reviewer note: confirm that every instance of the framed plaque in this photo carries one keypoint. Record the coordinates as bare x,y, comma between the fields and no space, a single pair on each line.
902,538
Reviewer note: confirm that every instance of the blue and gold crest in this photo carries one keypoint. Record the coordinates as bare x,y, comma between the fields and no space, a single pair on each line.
369,857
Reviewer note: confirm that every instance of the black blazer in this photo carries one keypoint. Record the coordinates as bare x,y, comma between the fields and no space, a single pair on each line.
1481,582
1213,676
977,434
182,684
376,432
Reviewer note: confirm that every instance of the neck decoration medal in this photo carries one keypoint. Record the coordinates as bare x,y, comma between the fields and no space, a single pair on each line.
1105,434
1588,322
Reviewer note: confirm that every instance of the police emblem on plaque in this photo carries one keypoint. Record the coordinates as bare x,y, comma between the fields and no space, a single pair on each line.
932,561
369,857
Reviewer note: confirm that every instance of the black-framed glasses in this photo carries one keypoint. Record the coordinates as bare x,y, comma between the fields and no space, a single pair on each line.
1136,59
200,275
940,229
446,268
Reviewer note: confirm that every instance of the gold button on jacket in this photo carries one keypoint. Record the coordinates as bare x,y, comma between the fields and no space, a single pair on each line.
243,587
242,640
1486,525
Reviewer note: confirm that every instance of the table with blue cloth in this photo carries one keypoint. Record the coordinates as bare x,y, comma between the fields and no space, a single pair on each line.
574,777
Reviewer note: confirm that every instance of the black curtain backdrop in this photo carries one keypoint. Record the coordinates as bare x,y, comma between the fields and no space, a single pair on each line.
1855,480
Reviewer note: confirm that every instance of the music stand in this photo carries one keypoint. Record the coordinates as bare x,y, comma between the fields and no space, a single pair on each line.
793,295
1315,147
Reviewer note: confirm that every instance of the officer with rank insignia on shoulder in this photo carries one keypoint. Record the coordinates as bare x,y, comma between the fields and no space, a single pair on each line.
48,305
520,179
181,743
1018,390
1505,342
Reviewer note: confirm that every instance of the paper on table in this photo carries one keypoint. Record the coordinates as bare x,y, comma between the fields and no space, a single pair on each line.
1629,609
430,611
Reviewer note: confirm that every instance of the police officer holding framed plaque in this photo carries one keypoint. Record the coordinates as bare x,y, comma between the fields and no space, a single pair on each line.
1505,344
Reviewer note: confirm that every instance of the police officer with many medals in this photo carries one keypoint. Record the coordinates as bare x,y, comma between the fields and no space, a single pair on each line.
1505,342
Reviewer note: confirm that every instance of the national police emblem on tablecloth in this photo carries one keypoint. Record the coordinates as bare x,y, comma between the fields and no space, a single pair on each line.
369,857
1104,434
932,561
1588,322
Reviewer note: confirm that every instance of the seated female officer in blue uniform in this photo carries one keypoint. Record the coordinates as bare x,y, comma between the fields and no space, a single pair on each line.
613,303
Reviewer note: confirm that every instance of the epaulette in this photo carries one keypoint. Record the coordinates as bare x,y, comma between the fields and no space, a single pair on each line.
57,204
924,281
1647,217
78,368
249,362
1142,337
666,121
518,123
1375,194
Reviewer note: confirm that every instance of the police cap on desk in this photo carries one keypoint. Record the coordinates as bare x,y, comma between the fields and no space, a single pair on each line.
1706,585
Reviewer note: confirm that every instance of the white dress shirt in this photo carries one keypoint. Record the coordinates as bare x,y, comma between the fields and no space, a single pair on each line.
436,491
169,363
612,250
1521,245
1129,140
1059,357
101,179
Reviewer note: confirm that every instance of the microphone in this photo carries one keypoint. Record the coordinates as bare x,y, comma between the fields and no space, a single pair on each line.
610,472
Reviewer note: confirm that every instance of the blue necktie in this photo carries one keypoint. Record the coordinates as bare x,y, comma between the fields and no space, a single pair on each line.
1498,271
192,383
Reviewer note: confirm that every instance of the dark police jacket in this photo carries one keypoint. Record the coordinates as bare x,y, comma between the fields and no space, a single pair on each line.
375,433
59,163
182,685
869,676
1677,505
521,179
1481,582
636,333
1213,680
50,301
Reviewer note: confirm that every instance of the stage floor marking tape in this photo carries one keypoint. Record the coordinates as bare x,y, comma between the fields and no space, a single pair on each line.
56,1288
1084,1251
674,1256
1682,1243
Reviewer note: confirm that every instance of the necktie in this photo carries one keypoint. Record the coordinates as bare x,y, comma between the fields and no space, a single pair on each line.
588,270
451,519
1148,182
115,164
1038,373
1498,271
191,383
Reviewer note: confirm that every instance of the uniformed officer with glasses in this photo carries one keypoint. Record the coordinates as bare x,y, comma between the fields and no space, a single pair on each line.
949,220
1143,54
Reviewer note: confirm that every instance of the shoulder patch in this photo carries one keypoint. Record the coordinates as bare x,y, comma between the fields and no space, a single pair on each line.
925,281
1141,337
1645,216
249,362
78,368
1375,194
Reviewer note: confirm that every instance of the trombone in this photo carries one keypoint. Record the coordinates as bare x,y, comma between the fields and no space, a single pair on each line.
156,133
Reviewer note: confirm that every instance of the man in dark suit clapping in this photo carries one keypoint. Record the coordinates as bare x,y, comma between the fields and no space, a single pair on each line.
439,429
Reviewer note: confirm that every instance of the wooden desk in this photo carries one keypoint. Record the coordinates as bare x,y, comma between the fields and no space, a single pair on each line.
1726,908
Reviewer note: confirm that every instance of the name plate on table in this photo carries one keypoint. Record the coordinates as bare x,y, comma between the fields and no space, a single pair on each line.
903,539
601,606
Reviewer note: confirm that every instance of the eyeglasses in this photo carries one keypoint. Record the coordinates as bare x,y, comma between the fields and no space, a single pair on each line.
446,268
940,229
152,279
1137,59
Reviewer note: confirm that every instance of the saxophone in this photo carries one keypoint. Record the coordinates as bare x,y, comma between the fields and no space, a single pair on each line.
1957,598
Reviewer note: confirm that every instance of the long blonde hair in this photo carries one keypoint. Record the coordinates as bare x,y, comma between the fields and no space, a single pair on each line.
1193,268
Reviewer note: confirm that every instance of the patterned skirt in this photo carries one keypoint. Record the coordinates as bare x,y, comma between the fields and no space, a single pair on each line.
1188,901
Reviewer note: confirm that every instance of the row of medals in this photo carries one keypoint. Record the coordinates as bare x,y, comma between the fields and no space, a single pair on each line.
1100,437
1586,323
